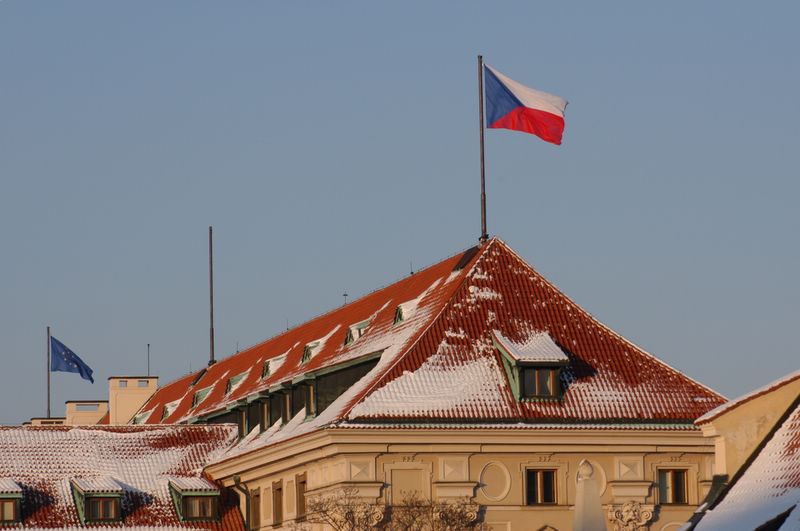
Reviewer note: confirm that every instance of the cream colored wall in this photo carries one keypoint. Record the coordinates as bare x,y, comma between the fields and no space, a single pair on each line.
489,468
77,415
124,402
738,432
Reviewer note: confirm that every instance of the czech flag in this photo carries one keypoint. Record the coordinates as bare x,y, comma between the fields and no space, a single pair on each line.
511,105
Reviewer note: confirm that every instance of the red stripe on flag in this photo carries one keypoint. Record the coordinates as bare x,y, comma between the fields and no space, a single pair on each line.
545,125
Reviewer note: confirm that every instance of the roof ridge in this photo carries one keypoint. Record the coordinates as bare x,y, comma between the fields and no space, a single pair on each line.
482,250
606,327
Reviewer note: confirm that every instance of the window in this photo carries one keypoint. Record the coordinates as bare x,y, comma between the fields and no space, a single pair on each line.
255,510
275,407
233,382
100,509
672,486
9,510
309,351
123,383
540,487
200,395
355,331
299,396
277,503
265,370
540,382
87,407
398,315
142,383
253,415
199,507
300,481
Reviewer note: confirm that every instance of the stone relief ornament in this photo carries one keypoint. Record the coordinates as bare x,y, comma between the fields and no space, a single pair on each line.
631,516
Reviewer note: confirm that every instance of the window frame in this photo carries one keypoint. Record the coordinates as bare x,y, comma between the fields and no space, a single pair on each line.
671,472
300,497
554,379
539,474
212,499
277,503
16,510
91,500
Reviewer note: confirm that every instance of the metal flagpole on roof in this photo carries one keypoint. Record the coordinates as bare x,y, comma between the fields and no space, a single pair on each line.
211,360
484,233
48,372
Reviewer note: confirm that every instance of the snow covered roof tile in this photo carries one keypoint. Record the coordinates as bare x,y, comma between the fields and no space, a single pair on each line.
538,347
768,490
193,483
93,484
9,486
136,461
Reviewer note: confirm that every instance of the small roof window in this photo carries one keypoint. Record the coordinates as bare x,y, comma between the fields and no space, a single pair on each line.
195,498
235,382
169,408
309,350
142,417
355,331
10,501
97,499
200,395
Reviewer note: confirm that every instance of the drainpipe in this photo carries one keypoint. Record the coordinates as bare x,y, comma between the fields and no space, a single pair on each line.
238,485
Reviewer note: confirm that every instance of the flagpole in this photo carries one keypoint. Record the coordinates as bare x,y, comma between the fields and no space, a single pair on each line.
211,360
48,372
484,233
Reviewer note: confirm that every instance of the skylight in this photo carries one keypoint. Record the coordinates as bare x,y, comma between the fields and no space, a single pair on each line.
309,350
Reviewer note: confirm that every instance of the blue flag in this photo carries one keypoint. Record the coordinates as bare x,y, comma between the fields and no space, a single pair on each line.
63,359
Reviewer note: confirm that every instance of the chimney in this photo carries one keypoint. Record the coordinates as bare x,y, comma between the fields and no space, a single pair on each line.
127,394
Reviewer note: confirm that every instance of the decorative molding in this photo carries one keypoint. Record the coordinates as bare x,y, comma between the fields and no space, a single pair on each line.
630,516
497,491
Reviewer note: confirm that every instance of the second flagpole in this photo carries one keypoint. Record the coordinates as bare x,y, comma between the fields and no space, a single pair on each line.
484,233
48,372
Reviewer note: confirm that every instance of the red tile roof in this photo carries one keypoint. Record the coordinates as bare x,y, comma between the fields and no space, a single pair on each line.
439,364
139,460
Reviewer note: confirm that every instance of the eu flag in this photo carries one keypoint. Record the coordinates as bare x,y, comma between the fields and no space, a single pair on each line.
63,359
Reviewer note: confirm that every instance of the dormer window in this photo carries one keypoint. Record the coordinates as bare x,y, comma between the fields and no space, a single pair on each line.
169,409
234,382
309,350
10,500
355,331
398,315
97,499
200,395
265,370
533,366
196,499
142,417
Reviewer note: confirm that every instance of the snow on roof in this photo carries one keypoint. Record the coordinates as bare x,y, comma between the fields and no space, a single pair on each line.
538,347
97,484
733,404
451,310
137,461
769,487
193,483
442,384
9,486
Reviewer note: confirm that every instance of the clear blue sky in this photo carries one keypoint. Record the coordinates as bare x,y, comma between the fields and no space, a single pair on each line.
331,143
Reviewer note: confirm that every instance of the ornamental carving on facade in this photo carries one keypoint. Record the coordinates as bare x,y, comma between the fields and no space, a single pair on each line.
631,516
